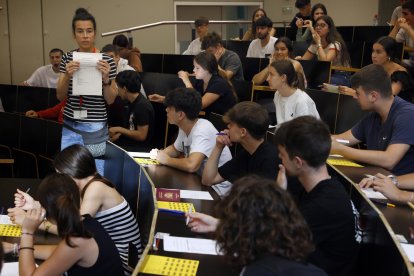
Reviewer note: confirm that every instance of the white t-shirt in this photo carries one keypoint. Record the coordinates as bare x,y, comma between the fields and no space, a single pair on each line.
403,37
257,51
296,105
194,48
44,77
202,139
331,46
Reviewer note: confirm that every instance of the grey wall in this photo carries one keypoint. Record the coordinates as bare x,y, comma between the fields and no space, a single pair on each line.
33,27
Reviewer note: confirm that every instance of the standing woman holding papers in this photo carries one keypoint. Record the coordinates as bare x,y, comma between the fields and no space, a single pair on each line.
85,80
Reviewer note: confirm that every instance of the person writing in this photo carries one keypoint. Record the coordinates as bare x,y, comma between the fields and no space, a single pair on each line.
99,199
85,248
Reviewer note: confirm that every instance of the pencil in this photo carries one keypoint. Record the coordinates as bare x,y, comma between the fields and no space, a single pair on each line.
410,204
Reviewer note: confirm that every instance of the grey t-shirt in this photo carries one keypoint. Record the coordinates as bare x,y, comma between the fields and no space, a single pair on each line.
230,61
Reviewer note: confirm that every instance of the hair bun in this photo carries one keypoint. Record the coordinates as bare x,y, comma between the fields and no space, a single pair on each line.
81,11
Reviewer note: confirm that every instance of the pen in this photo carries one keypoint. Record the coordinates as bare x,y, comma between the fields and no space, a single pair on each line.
190,210
343,141
221,134
384,203
410,204
27,191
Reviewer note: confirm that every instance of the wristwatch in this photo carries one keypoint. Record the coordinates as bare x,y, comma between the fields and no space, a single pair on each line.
319,45
394,179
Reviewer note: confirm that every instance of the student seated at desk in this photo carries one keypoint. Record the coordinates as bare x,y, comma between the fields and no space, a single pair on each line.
53,113
395,188
99,199
137,129
218,95
289,100
328,45
304,144
247,124
387,131
85,248
260,230
283,50
383,53
196,137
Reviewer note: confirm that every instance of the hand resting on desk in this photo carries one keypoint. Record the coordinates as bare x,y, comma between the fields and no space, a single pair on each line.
384,185
202,223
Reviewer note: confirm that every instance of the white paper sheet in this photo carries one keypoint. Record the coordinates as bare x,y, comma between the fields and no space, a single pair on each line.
190,245
409,251
195,195
5,219
370,193
88,79
139,154
10,269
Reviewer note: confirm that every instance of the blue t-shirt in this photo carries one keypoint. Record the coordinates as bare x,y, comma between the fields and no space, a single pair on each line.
397,129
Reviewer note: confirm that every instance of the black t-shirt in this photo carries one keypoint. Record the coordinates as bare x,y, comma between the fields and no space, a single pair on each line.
331,217
138,113
108,262
292,24
272,265
217,85
264,162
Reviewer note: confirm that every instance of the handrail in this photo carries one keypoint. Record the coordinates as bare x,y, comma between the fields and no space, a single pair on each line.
172,22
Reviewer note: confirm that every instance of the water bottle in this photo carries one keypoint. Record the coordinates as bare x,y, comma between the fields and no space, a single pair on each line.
375,20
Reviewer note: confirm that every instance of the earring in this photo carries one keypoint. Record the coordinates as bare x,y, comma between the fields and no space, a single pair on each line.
389,58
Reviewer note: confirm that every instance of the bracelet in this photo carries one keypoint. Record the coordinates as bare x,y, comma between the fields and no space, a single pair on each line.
318,46
27,233
26,247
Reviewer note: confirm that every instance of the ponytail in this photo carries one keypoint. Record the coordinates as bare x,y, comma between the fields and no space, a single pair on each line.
59,195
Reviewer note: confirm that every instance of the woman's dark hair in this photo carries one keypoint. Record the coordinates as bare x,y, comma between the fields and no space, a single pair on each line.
207,61
75,161
121,41
335,37
253,22
315,7
129,79
288,43
390,46
82,14
285,67
59,195
258,218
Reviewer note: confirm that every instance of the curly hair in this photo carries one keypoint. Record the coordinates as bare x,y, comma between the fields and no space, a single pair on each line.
259,218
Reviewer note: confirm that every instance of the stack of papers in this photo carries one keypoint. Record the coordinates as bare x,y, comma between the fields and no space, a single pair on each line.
190,245
370,193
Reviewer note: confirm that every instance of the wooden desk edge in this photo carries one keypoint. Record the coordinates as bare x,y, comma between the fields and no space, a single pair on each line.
408,264
144,254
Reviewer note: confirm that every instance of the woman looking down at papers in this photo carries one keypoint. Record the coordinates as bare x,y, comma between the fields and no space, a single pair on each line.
85,80
260,230
85,248
99,199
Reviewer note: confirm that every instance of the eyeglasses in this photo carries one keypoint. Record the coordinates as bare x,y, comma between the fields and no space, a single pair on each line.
321,25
